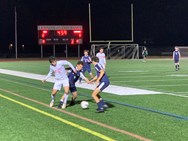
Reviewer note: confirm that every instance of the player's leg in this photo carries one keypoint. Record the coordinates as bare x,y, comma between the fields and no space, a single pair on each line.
90,73
74,96
64,98
101,87
56,87
102,101
66,92
54,91
74,92
178,65
97,100
144,58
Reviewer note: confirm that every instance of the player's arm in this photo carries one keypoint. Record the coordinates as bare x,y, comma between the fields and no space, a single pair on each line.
69,64
83,77
48,75
104,60
94,79
90,60
82,59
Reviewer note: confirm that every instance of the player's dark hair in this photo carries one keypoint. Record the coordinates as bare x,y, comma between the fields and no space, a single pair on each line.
86,51
95,59
51,59
80,63
100,48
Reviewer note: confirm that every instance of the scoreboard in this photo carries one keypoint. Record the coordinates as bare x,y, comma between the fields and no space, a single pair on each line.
60,34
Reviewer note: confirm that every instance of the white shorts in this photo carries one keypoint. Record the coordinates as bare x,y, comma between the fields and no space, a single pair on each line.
59,83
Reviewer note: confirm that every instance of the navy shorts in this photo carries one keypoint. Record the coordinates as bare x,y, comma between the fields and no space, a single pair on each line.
72,88
176,61
88,69
103,85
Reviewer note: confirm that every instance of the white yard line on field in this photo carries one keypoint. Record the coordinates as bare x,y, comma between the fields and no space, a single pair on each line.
112,89
132,71
179,75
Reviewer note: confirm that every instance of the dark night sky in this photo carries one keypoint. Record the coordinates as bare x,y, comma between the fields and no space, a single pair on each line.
160,22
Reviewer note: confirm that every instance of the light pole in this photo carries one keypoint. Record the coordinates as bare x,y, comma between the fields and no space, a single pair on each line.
16,50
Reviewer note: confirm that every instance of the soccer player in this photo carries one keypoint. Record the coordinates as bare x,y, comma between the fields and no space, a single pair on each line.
73,77
87,61
102,57
61,79
144,54
176,58
102,81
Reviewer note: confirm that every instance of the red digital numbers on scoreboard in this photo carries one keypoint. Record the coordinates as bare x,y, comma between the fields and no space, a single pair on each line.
61,32
44,33
64,34
79,33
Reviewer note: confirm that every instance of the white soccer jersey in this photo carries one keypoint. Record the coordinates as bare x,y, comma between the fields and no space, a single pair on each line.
59,70
102,58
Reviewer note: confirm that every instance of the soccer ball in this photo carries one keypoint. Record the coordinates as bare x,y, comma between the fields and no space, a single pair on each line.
84,104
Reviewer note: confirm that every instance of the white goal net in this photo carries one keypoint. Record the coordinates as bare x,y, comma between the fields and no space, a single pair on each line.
117,51
183,51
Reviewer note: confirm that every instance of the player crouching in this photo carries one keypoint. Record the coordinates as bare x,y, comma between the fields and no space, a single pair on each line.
73,78
102,81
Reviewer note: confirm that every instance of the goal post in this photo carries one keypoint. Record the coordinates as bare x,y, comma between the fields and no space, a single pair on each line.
117,51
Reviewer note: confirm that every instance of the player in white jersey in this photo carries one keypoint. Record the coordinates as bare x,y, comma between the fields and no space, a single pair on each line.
102,57
61,79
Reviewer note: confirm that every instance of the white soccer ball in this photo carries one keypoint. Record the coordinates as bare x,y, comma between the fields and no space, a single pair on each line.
84,104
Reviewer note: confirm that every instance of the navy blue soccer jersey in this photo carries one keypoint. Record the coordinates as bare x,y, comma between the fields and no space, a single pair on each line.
73,77
86,60
98,68
176,55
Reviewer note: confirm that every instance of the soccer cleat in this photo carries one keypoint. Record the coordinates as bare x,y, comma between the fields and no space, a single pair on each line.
51,104
100,110
105,106
72,103
60,105
63,106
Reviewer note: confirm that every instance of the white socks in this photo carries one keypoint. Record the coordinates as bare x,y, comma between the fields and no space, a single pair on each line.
65,98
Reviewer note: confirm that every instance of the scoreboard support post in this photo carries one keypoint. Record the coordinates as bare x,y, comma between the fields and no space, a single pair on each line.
54,50
41,55
66,51
78,51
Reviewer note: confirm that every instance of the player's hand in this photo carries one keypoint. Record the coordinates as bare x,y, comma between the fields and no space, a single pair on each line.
89,82
96,82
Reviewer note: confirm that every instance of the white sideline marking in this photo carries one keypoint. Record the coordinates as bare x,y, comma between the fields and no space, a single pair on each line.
179,75
112,89
133,71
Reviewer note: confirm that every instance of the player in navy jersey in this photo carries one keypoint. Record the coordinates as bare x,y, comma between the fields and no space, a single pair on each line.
73,77
87,61
102,81
176,58
61,79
